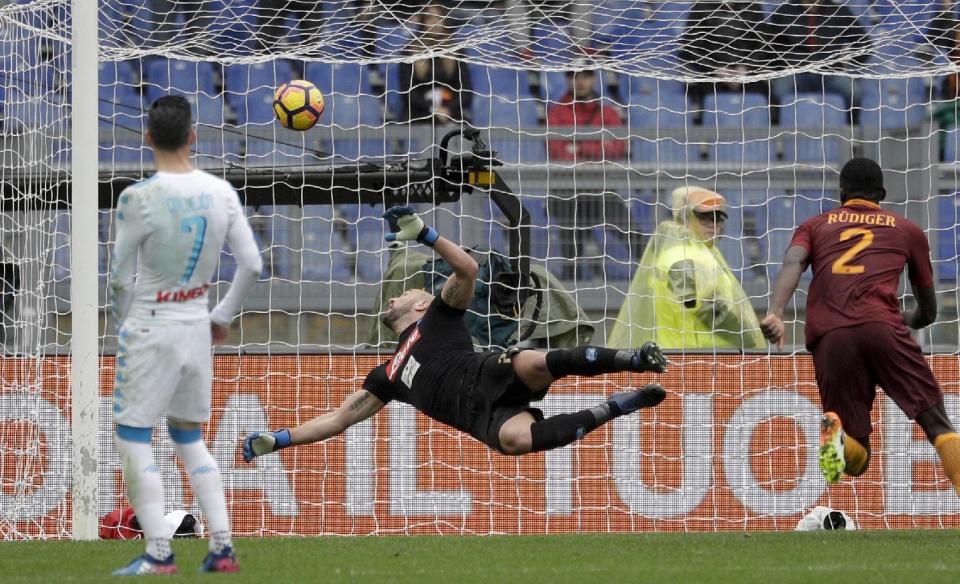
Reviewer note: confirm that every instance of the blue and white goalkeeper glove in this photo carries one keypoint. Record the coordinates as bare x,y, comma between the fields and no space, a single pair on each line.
406,226
260,443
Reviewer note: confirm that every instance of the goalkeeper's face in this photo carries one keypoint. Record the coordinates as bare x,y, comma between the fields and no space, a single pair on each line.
409,305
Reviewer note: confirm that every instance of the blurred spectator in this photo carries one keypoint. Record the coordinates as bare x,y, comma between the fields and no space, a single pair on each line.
582,110
277,16
724,39
684,295
945,35
808,32
436,88
579,107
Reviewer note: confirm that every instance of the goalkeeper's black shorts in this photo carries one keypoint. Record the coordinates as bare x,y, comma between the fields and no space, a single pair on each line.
495,396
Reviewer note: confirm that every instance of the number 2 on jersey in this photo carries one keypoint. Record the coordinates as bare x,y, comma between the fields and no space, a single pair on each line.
196,224
842,264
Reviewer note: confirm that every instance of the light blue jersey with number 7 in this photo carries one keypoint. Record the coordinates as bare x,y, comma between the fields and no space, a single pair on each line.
176,224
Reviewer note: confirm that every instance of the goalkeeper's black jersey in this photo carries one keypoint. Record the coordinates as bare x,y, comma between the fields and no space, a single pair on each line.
433,368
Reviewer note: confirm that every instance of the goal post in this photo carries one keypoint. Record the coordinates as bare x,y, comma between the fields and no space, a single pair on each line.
84,282
678,97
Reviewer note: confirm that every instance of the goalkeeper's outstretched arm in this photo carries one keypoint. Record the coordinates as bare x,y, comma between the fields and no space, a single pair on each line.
358,406
458,290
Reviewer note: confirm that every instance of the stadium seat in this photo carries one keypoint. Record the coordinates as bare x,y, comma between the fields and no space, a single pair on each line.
507,122
165,76
893,104
349,79
235,22
241,78
637,89
354,127
324,258
729,112
390,42
652,114
950,145
807,123
536,206
364,241
249,88
254,107
552,44
948,235
500,82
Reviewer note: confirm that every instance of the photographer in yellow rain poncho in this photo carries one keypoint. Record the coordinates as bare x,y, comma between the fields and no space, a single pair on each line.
684,295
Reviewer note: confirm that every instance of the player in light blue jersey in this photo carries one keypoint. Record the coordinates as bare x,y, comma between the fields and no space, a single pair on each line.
174,225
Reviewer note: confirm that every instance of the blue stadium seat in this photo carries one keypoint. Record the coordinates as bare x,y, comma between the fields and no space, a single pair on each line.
808,121
616,262
508,120
950,145
181,77
364,240
893,104
249,89
241,78
236,22
728,112
346,78
947,227
653,114
254,107
391,41
354,125
638,89
552,44
512,84
540,230
324,258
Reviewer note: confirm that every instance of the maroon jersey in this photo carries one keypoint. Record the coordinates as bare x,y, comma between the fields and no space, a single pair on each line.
858,252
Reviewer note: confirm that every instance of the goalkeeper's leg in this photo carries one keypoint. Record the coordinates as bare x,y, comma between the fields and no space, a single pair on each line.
523,433
537,369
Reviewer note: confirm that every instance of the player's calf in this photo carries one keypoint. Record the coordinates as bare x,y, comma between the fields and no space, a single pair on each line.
563,429
589,360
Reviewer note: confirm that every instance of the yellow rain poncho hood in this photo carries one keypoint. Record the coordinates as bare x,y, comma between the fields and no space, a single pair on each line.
683,294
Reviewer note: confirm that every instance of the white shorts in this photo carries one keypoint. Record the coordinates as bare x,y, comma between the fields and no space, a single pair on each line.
162,369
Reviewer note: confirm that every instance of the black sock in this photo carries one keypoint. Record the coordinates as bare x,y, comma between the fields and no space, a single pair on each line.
587,360
563,429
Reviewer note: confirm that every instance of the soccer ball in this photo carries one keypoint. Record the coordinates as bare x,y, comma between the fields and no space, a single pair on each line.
298,105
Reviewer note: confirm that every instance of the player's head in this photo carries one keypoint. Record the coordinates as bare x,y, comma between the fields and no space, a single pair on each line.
582,82
703,211
170,124
861,178
406,308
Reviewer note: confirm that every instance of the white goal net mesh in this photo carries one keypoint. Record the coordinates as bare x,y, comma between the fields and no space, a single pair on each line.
597,111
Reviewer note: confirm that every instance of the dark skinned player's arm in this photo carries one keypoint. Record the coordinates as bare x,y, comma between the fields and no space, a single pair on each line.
926,311
794,264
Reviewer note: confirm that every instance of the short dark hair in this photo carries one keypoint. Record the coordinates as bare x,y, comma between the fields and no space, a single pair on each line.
862,177
169,122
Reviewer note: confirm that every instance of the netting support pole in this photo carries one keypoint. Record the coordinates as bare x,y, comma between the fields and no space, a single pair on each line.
84,308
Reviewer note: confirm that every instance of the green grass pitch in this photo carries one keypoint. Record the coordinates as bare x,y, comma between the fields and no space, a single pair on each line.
873,557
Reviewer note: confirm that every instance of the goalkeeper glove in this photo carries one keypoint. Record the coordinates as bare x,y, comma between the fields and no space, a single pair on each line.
406,226
260,443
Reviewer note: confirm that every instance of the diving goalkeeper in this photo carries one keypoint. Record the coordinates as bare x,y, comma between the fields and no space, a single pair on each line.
485,394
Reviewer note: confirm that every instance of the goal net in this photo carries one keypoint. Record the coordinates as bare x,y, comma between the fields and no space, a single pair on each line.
596,112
